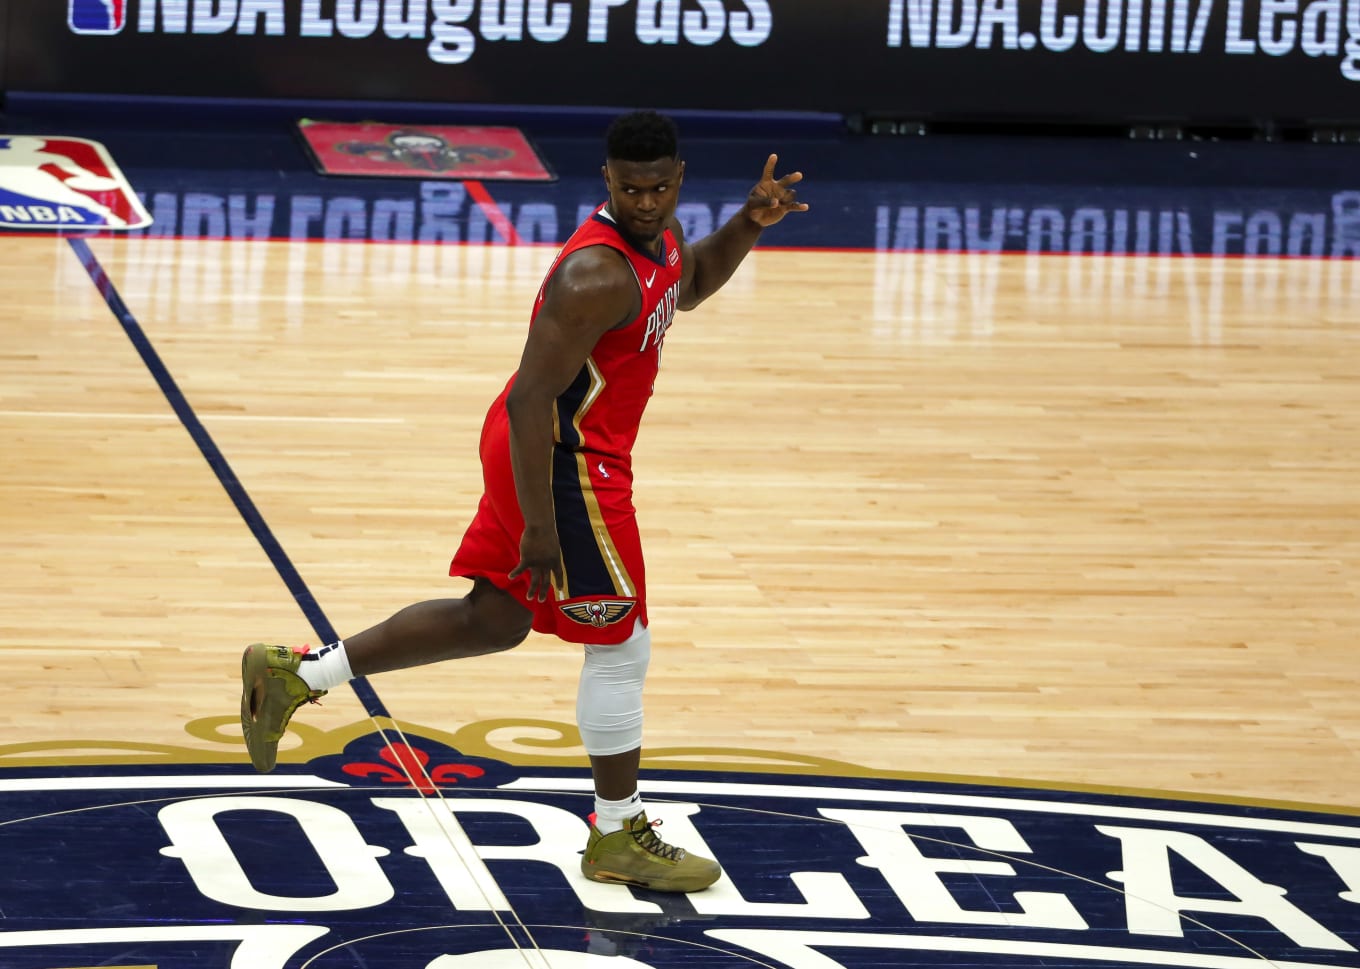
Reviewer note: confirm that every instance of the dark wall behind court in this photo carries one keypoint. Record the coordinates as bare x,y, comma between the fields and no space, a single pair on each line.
1192,61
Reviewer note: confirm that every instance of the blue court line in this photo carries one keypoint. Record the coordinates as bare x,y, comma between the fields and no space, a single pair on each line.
213,455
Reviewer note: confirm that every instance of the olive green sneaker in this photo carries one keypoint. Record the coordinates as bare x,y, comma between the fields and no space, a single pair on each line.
270,691
636,856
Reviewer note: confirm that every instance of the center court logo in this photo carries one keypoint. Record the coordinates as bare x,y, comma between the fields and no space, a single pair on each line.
415,855
96,16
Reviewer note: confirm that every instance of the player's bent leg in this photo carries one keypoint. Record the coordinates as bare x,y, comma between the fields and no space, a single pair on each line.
609,717
487,620
497,618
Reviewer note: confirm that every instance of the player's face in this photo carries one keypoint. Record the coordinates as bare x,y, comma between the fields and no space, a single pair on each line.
643,196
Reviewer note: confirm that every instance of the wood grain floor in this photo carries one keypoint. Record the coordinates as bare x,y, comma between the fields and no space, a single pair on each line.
1072,520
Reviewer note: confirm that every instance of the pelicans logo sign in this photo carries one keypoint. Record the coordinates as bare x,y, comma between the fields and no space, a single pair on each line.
401,850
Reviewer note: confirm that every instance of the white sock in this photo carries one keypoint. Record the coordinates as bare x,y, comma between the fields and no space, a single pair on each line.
611,815
326,668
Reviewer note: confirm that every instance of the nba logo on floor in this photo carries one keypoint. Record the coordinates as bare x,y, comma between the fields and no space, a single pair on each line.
96,16
49,182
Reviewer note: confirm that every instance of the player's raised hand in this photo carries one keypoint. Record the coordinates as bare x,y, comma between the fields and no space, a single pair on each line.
773,198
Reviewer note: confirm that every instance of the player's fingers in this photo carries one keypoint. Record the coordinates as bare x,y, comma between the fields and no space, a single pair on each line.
532,574
769,168
790,178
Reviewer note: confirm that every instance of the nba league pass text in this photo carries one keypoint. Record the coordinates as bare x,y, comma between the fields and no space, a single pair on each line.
454,28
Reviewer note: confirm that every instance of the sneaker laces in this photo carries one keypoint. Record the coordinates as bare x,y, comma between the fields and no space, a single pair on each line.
649,840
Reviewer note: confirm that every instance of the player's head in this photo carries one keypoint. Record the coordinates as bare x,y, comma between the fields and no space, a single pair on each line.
643,172
642,136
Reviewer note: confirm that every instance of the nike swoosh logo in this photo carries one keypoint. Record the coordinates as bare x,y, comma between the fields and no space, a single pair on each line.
651,277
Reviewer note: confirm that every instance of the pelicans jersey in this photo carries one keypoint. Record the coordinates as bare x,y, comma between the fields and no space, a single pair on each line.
601,411
595,423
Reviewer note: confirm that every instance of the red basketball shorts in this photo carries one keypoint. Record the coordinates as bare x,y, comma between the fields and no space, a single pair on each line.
605,592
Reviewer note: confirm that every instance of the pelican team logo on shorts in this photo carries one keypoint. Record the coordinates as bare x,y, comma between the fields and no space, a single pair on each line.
96,16
56,182
597,612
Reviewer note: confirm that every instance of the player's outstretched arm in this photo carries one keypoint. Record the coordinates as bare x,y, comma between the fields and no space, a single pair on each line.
715,257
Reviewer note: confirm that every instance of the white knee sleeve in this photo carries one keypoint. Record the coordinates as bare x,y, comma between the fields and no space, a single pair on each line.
609,701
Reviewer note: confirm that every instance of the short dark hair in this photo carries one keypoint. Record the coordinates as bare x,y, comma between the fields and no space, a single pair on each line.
642,136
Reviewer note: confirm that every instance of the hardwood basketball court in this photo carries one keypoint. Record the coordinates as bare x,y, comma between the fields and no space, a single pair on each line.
1068,520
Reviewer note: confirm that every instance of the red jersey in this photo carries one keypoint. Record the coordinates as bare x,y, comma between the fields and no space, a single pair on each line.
601,411
595,422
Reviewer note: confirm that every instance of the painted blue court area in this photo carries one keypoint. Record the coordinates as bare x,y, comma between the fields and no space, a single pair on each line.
183,867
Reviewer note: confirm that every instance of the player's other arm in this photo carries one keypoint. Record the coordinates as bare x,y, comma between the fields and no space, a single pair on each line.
591,291
710,262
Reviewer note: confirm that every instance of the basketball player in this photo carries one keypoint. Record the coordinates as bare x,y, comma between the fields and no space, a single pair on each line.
554,545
